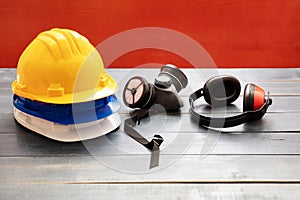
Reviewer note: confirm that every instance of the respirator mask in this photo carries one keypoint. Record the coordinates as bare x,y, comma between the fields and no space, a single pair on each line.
138,93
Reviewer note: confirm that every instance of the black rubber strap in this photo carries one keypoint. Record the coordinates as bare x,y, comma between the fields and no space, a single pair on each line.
228,121
153,145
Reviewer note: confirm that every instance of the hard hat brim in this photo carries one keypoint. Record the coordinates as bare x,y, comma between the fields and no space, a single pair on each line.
66,114
98,92
68,133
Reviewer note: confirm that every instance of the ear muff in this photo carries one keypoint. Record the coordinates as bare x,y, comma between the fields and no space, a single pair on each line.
225,89
259,97
254,97
221,90
138,93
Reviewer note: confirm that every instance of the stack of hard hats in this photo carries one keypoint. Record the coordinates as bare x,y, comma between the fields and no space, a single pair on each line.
62,90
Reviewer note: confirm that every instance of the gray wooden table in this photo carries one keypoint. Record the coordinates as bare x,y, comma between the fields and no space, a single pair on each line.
257,160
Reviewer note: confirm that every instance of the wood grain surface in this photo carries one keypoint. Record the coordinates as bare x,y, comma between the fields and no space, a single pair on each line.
257,160
154,191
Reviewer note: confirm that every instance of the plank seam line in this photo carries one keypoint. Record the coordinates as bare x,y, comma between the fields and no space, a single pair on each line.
122,155
281,182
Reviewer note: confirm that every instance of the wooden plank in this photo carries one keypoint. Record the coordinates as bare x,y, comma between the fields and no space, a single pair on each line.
135,168
27,143
280,104
6,105
189,154
248,75
283,83
275,88
7,75
203,74
150,191
271,122
243,74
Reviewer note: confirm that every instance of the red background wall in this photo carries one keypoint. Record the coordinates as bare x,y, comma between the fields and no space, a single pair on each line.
235,33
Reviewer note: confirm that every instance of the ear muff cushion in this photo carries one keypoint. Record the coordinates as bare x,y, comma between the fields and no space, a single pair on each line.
248,102
221,90
259,98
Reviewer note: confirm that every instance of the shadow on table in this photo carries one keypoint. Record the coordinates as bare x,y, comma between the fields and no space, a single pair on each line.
34,144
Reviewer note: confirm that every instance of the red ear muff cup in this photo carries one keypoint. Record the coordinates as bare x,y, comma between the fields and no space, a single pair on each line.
254,97
138,93
259,98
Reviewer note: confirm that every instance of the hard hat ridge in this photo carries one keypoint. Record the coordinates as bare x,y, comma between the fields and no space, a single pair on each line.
61,66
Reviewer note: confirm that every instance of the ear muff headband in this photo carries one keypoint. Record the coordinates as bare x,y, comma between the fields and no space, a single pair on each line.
236,120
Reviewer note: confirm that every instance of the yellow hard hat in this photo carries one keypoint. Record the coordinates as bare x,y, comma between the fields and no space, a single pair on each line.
61,66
